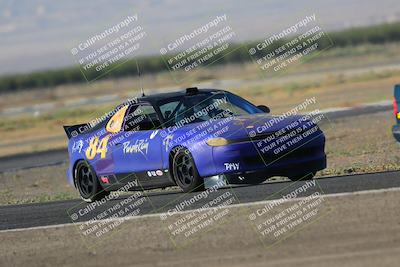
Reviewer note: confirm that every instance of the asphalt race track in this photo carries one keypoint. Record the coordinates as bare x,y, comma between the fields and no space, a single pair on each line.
33,160
53,213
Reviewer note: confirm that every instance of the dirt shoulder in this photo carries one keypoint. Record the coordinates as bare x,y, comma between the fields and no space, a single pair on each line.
361,144
356,230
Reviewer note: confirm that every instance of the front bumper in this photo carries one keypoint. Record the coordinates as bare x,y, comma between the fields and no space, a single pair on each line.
295,169
247,162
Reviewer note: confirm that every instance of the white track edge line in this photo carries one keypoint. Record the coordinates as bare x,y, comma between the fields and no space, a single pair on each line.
128,218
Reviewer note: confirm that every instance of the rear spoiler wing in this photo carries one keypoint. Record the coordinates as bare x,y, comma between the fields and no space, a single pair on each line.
75,130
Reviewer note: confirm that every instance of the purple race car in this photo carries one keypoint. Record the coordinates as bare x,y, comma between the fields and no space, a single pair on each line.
193,139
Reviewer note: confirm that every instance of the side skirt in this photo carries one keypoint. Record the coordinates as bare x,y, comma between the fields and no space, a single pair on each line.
137,181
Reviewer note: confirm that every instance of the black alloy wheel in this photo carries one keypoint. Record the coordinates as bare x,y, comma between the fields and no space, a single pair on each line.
87,183
185,172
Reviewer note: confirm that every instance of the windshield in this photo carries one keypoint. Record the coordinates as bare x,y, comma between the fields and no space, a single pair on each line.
202,107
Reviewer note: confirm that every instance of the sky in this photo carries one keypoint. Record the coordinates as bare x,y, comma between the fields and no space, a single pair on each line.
36,35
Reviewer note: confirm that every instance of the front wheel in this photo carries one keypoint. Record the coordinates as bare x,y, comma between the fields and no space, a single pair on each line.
302,177
185,172
87,183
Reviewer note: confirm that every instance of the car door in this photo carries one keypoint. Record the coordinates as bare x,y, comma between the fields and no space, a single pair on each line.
137,148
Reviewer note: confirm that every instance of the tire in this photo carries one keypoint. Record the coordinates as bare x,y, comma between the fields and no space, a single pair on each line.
185,171
302,177
87,183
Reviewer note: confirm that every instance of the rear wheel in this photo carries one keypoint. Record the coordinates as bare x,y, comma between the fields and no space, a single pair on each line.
185,172
302,177
87,183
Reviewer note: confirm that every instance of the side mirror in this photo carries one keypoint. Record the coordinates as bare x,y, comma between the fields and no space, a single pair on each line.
264,108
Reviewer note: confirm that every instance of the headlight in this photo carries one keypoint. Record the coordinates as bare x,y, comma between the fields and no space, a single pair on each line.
218,141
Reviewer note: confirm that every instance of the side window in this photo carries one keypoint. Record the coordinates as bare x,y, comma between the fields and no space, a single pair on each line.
115,123
141,117
168,109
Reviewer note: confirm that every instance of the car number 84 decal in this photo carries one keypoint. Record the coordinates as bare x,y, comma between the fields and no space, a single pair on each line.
97,146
